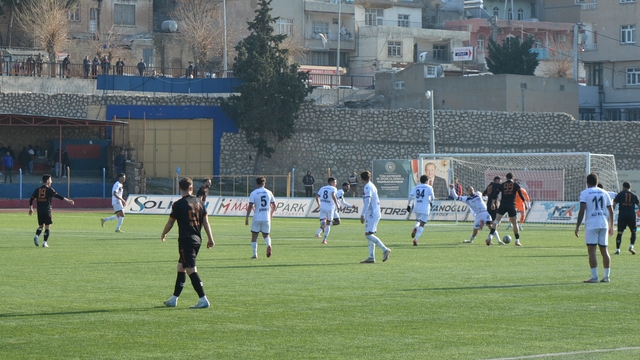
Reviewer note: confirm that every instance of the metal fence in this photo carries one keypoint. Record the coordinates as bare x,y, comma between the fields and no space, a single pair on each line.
24,68
238,185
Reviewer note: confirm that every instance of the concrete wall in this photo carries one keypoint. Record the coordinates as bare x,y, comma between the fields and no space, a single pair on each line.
490,92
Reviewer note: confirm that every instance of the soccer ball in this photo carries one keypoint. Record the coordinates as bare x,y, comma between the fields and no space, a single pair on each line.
506,239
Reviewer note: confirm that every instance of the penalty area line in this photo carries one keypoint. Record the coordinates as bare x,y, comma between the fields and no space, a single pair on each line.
540,356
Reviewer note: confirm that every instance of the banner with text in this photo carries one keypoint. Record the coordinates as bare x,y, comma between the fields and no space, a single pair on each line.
158,204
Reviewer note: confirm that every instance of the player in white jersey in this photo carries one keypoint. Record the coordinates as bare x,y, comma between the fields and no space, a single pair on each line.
370,217
423,195
478,207
327,204
595,204
118,202
263,204
342,203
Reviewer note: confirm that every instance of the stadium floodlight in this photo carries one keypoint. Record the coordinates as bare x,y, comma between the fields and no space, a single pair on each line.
548,176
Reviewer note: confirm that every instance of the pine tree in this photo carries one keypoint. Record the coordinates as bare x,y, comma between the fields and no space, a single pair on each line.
272,90
513,57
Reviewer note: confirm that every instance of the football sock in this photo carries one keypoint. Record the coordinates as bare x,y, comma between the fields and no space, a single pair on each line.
319,232
327,230
619,240
46,234
419,232
120,220
607,272
177,290
633,238
471,238
254,247
39,231
496,235
372,250
197,284
112,217
267,241
417,224
372,238
594,273
517,236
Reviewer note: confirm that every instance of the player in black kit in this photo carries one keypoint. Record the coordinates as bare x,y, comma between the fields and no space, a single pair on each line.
626,215
509,190
43,196
204,190
191,216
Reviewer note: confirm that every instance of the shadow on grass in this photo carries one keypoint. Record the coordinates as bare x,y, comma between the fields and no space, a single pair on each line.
515,286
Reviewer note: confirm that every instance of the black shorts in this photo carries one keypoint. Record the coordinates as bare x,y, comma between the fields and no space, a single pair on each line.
188,252
44,217
511,210
627,220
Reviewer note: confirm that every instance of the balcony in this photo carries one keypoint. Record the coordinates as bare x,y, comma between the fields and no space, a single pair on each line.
589,47
329,6
315,41
383,4
587,5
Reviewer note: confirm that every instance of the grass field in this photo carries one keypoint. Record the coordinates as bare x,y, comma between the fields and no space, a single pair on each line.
95,294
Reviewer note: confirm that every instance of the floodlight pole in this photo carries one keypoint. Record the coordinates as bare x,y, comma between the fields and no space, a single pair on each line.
429,94
224,25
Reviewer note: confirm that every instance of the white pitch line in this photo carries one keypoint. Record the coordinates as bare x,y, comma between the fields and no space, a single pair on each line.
539,356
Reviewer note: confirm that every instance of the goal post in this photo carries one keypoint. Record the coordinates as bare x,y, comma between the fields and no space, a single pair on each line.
545,176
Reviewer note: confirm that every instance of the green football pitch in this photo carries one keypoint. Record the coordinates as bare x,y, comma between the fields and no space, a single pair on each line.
97,294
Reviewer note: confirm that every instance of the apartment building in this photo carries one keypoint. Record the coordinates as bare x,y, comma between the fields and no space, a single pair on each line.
372,35
611,56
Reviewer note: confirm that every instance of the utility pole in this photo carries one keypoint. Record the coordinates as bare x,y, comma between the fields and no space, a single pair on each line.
576,32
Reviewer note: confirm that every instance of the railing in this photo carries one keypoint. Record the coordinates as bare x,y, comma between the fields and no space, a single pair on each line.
22,68
352,81
589,6
239,185
395,23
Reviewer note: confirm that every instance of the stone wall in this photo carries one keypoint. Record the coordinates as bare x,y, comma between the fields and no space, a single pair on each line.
346,140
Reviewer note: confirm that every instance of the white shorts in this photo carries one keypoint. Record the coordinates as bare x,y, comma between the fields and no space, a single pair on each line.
261,226
326,214
482,219
118,207
596,237
424,217
371,224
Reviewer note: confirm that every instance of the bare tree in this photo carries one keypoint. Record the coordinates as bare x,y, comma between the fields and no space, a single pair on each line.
110,44
200,23
47,21
294,43
559,63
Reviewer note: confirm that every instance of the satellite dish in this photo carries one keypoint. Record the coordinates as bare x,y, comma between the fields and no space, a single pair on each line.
436,4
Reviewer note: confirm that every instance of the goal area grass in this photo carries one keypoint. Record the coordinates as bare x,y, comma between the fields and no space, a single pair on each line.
97,294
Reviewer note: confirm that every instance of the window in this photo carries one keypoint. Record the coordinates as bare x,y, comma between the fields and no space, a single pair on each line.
510,14
496,11
627,1
480,42
74,15
440,52
633,76
520,14
284,27
633,114
628,34
562,38
373,16
394,48
124,15
596,74
320,27
403,20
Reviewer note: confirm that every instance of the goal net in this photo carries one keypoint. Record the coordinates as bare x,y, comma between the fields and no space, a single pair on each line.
545,176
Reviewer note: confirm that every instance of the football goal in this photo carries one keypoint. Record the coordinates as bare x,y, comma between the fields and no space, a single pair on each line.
546,176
